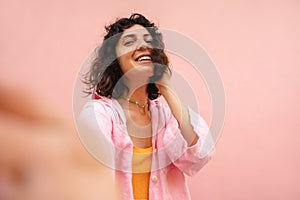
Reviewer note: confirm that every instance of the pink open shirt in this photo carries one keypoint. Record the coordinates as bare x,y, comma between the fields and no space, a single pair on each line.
109,141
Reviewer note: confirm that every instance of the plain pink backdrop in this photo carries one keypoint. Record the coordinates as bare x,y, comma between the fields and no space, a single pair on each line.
254,44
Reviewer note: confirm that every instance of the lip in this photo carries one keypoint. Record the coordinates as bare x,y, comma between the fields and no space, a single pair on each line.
144,62
142,54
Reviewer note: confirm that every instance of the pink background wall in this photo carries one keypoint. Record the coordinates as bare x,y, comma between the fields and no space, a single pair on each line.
254,44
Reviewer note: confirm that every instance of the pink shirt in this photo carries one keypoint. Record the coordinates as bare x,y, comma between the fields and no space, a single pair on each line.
172,159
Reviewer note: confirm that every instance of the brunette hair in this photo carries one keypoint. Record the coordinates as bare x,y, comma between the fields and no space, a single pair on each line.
105,71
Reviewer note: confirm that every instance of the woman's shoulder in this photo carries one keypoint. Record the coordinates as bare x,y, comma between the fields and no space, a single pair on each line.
99,104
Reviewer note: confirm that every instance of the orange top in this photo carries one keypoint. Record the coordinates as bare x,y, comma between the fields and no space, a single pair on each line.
141,167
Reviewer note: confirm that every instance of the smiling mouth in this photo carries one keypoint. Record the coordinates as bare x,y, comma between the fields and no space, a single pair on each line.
144,59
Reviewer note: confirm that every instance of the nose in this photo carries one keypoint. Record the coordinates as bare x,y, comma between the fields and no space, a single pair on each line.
143,45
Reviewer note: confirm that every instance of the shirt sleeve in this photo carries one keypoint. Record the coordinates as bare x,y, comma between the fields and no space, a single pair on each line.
95,130
189,159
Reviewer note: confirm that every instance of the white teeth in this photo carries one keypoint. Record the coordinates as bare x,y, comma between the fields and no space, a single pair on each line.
144,58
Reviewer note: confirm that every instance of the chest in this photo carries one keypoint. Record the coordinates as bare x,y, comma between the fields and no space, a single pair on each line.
139,128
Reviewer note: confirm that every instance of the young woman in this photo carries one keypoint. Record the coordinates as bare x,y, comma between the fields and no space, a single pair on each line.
150,144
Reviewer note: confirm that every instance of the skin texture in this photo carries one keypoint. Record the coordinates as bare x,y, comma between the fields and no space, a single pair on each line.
133,43
136,41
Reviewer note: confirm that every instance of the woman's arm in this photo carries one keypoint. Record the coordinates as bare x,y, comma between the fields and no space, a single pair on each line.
180,112
95,128
193,131
178,108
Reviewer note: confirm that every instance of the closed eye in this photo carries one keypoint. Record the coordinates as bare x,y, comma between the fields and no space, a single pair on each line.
149,41
128,43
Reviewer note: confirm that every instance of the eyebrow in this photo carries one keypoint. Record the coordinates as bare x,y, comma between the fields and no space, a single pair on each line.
133,35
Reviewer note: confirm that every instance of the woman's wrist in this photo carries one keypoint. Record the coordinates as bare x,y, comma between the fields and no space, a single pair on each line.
165,90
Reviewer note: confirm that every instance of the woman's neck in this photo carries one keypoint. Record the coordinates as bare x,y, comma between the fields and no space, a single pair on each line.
137,90
138,94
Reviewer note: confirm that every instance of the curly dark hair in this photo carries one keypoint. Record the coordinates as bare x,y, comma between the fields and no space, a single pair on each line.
105,71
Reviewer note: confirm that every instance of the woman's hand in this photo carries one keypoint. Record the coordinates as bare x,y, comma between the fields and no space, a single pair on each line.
165,82
178,108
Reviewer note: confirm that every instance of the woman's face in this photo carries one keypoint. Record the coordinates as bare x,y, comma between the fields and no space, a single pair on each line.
133,50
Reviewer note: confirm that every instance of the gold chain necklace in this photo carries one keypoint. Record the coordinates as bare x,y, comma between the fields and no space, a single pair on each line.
136,103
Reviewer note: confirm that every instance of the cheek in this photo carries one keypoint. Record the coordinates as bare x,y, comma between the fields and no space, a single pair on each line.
125,63
123,51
